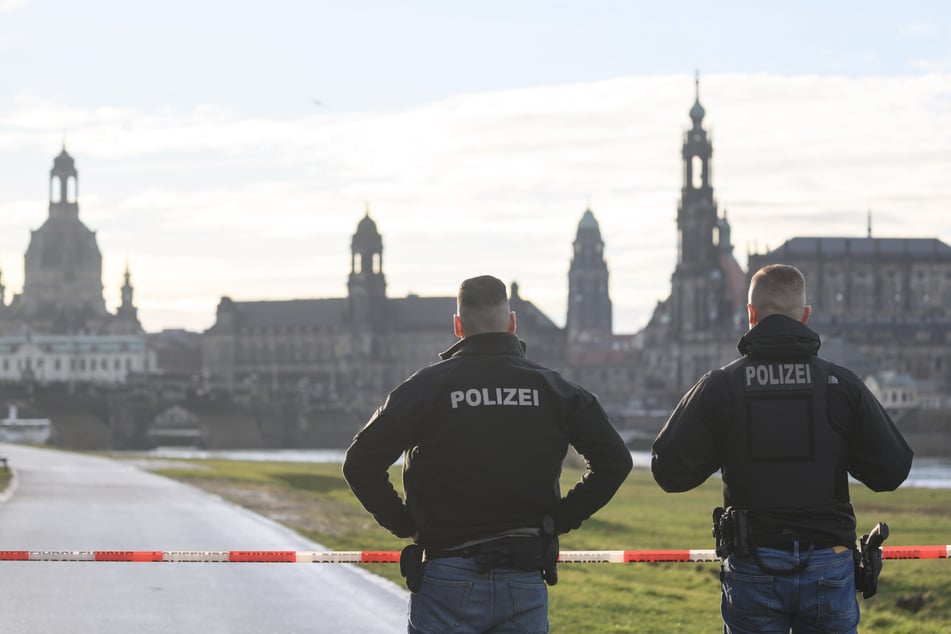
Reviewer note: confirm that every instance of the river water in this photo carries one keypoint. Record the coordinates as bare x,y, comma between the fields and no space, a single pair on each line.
933,473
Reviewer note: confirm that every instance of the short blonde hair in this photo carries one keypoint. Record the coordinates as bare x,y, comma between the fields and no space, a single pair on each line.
778,289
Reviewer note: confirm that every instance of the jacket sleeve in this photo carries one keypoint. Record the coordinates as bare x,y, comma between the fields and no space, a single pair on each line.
607,458
374,449
685,453
878,455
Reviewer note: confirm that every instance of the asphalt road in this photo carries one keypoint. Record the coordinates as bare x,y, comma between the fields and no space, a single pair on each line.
66,501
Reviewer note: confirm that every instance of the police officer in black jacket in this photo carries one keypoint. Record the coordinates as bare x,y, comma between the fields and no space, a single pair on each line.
483,434
785,428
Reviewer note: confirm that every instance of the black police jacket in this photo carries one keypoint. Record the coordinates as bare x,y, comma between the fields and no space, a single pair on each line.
483,434
785,428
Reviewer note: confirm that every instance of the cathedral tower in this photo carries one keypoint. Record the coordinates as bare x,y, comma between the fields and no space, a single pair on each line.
589,303
698,286
367,285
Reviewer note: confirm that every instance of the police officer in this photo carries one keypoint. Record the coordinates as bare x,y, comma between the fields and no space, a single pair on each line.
483,434
785,428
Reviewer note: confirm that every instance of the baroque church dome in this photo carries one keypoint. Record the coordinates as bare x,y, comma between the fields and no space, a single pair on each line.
62,273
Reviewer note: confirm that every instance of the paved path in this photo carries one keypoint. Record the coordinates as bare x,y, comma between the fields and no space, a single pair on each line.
66,501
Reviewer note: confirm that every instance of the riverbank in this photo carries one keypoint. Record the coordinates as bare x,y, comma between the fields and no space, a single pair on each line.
926,472
313,499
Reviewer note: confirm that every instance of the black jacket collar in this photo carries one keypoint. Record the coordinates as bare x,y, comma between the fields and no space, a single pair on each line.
779,337
486,343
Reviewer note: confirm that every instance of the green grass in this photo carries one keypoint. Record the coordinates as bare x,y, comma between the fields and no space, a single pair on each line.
914,596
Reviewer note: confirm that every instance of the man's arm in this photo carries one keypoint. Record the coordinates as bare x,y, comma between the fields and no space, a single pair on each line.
878,457
608,463
685,454
366,465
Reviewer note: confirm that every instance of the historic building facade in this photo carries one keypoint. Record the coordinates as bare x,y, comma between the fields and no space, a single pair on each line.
640,375
344,354
888,300
880,305
58,329
294,367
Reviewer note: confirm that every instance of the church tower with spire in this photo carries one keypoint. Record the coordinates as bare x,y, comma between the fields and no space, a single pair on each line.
126,320
589,303
698,287
366,285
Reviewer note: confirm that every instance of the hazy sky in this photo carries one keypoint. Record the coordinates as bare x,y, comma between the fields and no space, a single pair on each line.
230,148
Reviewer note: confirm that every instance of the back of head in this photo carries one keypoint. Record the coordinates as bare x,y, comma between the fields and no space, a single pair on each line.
483,305
778,289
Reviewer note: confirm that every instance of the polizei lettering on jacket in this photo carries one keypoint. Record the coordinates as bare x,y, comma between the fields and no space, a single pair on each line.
477,397
771,376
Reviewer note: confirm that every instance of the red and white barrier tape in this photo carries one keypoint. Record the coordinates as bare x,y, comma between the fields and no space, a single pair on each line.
391,556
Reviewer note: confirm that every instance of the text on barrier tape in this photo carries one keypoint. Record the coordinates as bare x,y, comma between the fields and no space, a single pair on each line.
392,556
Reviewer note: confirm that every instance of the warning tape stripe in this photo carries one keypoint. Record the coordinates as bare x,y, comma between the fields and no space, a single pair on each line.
392,556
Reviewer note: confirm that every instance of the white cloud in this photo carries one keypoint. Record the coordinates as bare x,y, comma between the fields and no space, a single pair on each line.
918,30
208,202
8,6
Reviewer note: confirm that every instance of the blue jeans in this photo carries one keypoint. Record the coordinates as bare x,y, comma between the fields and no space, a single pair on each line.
455,597
821,598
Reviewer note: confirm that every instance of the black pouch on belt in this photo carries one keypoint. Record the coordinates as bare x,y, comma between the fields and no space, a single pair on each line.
411,566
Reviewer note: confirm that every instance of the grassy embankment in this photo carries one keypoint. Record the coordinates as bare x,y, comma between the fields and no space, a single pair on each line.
914,596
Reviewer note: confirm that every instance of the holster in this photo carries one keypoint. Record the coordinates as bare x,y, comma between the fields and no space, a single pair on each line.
731,530
411,566
868,560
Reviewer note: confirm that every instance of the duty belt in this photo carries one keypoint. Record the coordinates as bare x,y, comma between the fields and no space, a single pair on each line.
496,552
519,552
532,552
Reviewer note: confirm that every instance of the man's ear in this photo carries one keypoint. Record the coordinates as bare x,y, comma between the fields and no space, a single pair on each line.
512,321
805,314
752,314
457,326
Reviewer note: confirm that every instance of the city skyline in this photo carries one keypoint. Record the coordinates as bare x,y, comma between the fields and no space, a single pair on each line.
207,191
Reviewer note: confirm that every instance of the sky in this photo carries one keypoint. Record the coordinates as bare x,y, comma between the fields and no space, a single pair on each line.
231,148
